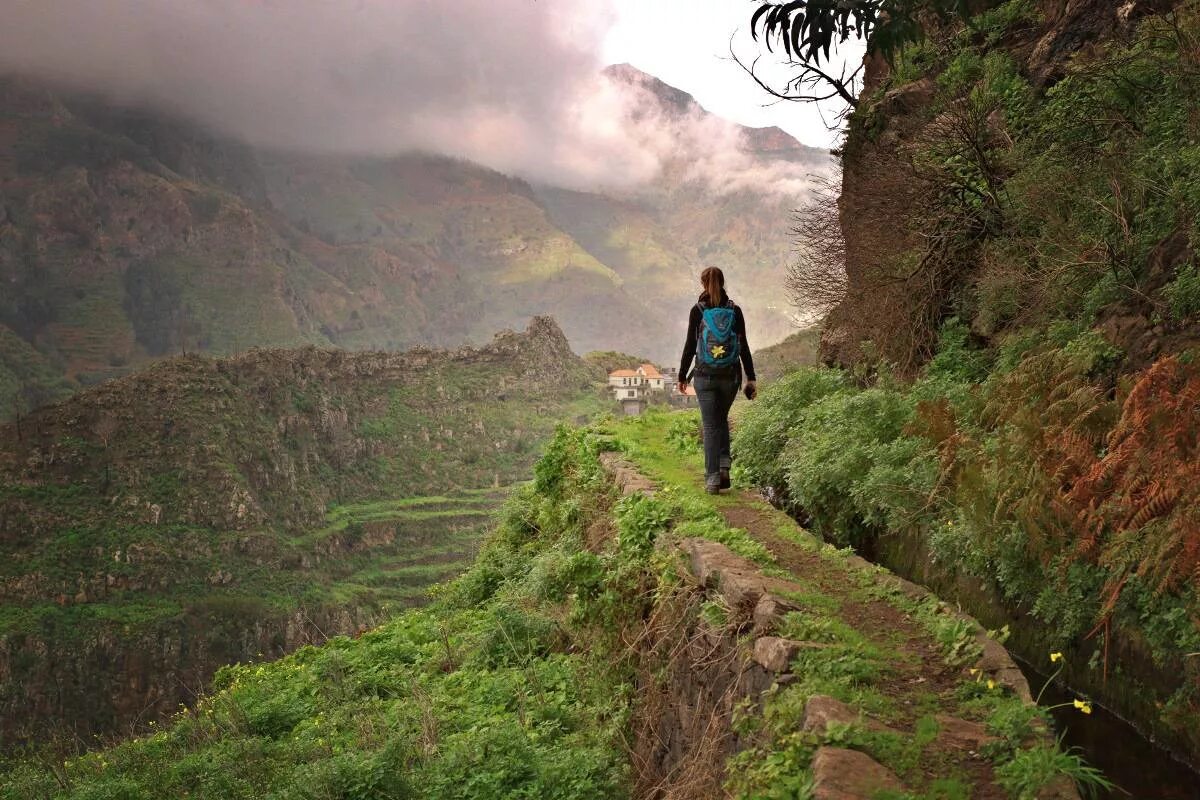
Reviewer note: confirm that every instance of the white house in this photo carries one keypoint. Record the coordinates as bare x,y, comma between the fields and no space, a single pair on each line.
653,378
624,379
631,387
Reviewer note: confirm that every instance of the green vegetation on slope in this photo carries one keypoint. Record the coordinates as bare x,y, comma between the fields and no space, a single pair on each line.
519,680
979,184
482,694
961,471
205,511
1018,418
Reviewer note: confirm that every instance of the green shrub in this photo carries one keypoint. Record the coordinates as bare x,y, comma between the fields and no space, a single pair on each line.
964,69
996,22
764,428
639,521
956,360
848,446
684,432
1183,293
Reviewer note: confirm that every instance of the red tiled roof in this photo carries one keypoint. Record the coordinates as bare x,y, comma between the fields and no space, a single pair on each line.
650,371
622,373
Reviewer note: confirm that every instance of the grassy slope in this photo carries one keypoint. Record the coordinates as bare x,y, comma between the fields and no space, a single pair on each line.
237,495
517,682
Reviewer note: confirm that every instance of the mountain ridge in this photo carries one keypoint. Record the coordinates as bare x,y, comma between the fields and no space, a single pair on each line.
766,138
122,230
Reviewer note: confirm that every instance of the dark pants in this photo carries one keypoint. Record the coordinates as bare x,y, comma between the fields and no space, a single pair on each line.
715,395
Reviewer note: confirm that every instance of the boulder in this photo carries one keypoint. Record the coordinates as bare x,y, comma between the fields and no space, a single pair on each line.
962,734
840,774
769,609
775,654
821,710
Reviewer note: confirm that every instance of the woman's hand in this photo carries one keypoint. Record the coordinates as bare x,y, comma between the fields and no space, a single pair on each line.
751,389
682,387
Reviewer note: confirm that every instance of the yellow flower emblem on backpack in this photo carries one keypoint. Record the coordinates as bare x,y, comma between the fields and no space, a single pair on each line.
718,350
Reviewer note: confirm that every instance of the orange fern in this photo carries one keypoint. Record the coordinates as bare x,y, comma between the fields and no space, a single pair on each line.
1137,506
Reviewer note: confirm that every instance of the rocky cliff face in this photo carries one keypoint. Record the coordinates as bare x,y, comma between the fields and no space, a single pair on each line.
251,439
206,511
964,157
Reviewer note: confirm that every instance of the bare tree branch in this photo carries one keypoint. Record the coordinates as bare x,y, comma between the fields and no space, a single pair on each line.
803,87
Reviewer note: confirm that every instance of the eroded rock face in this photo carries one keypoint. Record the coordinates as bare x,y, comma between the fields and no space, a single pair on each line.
884,201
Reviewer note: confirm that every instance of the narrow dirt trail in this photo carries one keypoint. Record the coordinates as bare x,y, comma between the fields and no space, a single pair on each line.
904,666
921,678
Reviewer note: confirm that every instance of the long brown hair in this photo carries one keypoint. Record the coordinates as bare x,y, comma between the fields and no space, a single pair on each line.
713,281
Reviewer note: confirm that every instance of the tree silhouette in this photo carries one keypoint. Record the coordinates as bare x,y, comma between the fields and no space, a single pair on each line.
807,30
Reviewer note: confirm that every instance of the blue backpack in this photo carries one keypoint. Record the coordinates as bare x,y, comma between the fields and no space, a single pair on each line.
718,344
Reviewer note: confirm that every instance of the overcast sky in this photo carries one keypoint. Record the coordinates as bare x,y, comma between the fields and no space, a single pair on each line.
513,84
686,43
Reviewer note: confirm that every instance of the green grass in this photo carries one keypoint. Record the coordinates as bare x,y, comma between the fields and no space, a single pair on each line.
517,681
856,666
478,697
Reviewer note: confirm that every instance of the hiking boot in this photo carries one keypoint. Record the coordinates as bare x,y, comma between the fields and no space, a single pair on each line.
712,489
725,484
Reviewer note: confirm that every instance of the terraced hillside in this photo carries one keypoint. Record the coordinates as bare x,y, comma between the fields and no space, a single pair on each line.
393,550
206,511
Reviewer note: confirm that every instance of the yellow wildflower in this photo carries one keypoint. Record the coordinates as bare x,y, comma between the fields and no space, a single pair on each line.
1083,705
1055,657
991,684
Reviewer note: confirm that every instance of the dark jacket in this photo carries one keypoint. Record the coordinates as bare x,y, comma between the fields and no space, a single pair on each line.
689,344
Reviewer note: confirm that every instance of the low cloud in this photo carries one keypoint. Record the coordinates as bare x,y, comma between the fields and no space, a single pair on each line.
512,84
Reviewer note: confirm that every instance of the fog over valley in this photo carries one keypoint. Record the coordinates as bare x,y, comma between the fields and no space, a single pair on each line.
513,85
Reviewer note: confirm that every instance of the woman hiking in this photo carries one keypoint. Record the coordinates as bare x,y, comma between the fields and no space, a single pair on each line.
716,339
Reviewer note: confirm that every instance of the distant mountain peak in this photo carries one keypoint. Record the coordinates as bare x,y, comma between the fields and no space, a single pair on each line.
772,141
672,99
